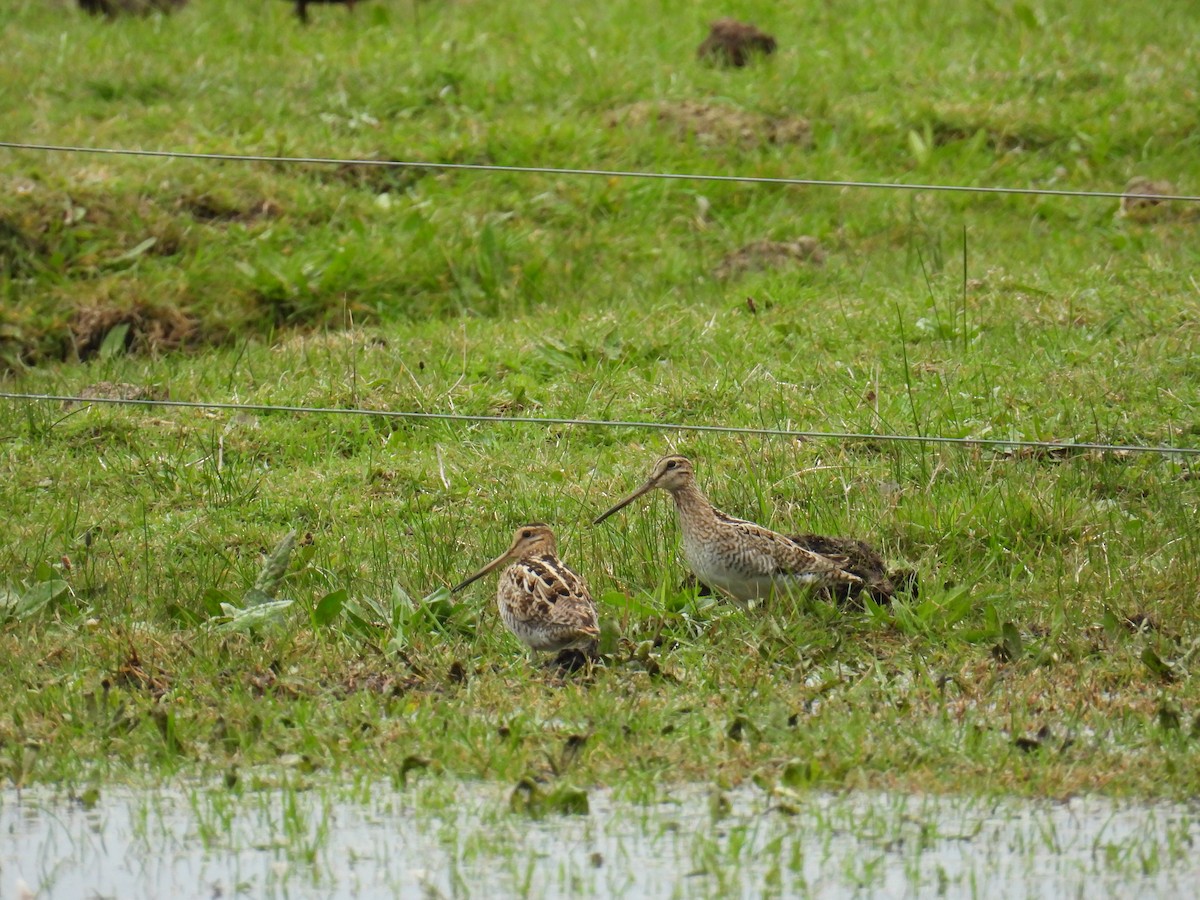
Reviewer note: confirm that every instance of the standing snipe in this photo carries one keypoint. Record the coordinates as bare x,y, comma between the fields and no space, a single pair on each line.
544,603
749,562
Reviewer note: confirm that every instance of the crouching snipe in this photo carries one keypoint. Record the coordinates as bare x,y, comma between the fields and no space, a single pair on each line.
744,560
545,604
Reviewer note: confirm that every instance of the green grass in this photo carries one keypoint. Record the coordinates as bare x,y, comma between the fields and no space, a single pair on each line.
1050,651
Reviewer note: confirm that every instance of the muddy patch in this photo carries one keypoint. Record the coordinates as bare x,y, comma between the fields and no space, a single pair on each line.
381,173
143,328
373,681
714,124
733,44
955,125
219,208
134,675
119,390
1142,201
759,255
1058,451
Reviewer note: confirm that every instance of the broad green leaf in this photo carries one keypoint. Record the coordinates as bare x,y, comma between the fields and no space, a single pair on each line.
628,604
1155,664
114,342
329,607
38,597
956,604
9,599
254,616
275,565
255,597
919,147
133,254
799,773
1112,624
214,600
1011,639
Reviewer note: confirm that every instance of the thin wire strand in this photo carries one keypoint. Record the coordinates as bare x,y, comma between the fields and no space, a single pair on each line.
599,173
844,436
607,173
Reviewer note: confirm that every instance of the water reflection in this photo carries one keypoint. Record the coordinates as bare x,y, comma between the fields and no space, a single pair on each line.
462,840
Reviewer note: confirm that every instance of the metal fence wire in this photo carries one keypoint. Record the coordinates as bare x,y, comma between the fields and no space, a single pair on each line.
996,443
546,421
598,173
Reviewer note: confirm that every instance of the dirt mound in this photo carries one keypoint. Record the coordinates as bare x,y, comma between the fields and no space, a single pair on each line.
759,255
148,328
376,179
733,43
215,207
1140,202
711,123
119,390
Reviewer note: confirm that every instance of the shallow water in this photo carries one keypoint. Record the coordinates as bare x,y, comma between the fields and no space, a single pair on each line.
462,841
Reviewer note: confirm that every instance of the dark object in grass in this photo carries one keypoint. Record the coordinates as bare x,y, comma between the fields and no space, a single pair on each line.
1030,743
733,43
114,8
573,659
1061,450
861,559
132,675
302,7
1140,623
457,673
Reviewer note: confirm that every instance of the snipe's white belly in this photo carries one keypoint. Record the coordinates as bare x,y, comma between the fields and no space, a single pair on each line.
746,575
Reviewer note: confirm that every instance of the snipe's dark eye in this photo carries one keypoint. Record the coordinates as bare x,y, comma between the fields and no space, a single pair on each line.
672,464
527,533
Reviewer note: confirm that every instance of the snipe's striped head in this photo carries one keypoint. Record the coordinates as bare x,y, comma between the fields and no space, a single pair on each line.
671,473
533,539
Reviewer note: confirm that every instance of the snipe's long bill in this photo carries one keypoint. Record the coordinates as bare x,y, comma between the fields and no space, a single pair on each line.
541,600
743,560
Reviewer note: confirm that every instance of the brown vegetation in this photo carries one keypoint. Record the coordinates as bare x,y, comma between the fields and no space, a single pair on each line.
733,43
770,255
715,123
150,328
1141,202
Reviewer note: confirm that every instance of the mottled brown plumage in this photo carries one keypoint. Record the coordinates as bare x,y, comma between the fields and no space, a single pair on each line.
859,558
545,604
744,560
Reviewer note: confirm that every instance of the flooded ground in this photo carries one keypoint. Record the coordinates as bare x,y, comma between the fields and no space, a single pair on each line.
445,840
